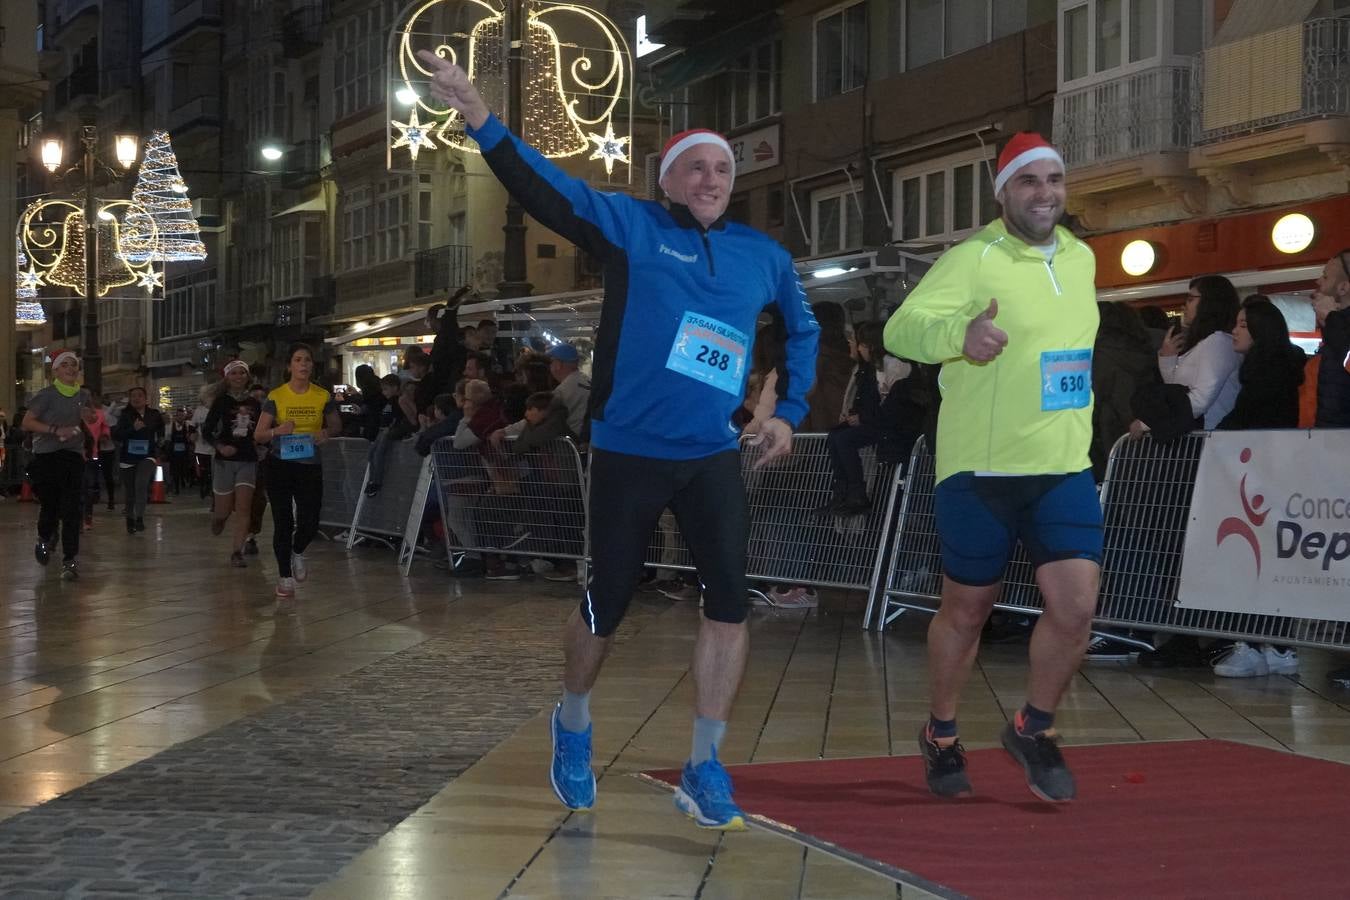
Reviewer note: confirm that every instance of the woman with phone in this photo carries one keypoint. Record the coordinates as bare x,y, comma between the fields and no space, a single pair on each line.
1200,355
296,419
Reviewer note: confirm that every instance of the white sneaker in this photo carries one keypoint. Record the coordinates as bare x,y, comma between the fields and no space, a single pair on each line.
1243,661
285,588
793,598
1280,662
298,567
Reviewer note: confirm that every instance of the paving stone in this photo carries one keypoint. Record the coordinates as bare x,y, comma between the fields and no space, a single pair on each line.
275,804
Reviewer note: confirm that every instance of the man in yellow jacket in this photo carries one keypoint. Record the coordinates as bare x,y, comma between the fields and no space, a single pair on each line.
1011,315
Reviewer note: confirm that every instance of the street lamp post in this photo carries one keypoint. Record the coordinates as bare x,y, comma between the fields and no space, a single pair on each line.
125,148
513,283
93,358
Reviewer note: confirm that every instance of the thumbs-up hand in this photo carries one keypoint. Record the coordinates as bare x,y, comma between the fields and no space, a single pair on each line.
984,339
452,86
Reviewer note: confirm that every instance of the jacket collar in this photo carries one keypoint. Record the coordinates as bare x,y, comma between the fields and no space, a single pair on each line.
685,219
1017,247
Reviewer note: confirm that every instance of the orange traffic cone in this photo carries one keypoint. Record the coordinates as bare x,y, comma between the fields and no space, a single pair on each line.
26,492
157,486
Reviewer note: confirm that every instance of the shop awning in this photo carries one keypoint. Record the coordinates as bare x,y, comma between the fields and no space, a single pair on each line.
407,325
313,205
1250,278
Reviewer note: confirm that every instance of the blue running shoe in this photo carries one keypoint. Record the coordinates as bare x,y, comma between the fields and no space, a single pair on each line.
571,775
704,795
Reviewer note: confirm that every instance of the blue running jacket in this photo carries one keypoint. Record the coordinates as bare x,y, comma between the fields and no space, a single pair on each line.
672,352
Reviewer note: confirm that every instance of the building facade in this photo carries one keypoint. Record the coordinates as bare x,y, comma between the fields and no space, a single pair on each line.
1195,126
278,113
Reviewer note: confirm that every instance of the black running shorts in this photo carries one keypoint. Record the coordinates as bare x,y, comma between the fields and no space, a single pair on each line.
627,497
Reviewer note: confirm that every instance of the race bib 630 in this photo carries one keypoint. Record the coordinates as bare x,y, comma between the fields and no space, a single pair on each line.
1066,379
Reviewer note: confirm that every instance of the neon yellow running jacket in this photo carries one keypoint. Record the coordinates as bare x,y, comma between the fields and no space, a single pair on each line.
1029,411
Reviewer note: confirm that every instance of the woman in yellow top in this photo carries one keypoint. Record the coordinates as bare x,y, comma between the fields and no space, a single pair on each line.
296,418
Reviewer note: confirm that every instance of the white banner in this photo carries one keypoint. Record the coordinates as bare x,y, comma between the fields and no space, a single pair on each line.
1269,530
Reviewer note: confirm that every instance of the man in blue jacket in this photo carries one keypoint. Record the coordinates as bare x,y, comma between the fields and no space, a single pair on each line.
683,290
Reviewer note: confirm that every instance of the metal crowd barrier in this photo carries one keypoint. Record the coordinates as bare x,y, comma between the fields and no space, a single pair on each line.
1146,501
344,474
385,516
793,538
497,501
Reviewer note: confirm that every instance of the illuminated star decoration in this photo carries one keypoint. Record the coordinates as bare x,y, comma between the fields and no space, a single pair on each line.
608,147
30,280
413,135
150,279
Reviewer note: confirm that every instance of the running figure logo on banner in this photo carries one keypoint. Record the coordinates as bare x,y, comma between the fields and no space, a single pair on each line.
1265,535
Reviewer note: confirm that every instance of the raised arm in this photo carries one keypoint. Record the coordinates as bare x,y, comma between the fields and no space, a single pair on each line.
591,219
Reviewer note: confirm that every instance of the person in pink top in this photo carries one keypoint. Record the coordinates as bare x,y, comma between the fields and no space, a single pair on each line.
98,444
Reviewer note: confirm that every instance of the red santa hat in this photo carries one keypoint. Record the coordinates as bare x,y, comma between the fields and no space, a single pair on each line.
681,142
1025,148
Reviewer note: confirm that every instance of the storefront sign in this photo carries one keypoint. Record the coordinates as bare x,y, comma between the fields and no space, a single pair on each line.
1293,233
759,149
1269,530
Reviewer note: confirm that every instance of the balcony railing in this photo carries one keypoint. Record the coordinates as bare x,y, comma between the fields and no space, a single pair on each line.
441,270
200,110
1152,111
1294,74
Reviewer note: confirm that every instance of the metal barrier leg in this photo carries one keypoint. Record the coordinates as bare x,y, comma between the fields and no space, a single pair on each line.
416,513
360,502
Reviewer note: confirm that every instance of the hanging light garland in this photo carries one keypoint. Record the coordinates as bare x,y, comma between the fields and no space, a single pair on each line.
163,228
571,92
28,314
27,282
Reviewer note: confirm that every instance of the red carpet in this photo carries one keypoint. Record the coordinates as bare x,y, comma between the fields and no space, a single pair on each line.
1173,819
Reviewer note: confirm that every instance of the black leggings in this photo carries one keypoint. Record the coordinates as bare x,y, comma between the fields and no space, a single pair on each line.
301,483
58,481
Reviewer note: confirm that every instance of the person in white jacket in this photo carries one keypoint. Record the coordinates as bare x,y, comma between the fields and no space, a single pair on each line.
1200,354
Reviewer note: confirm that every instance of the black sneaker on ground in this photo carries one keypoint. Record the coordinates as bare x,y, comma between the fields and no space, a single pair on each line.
70,571
1103,648
250,547
1180,652
503,572
467,568
372,489
140,524
1038,755
42,551
131,525
944,767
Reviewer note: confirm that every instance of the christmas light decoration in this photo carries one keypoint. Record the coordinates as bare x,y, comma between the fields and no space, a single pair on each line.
51,235
28,314
571,91
150,279
414,136
609,148
163,228
26,283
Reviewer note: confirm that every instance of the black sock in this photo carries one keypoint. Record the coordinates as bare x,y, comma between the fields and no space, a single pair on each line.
941,728
1030,720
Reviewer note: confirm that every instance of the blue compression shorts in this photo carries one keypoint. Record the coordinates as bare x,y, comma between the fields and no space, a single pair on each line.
980,518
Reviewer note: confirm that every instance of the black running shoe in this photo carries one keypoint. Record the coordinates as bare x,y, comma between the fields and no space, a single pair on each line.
42,551
1038,755
250,547
944,767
